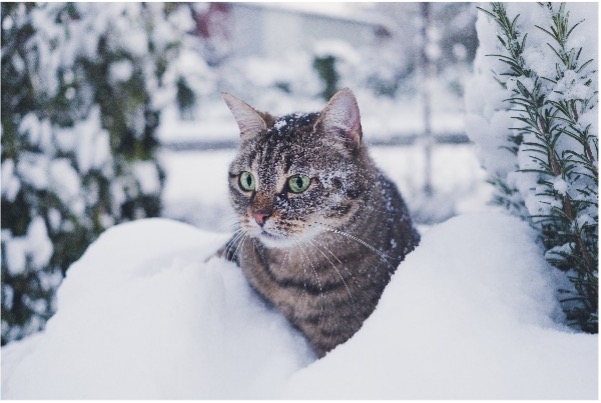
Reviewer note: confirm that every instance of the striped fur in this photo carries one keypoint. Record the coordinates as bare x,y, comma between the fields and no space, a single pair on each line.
322,256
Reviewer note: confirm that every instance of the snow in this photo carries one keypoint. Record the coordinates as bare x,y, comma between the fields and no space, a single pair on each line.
65,180
142,315
39,244
8,181
560,185
147,176
33,170
54,218
469,314
279,124
34,246
15,250
38,132
196,188
570,87
121,71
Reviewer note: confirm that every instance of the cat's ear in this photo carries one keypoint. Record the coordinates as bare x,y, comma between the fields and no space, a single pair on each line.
341,117
250,121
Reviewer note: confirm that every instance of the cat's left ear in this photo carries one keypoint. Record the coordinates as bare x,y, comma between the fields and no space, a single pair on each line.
341,117
250,121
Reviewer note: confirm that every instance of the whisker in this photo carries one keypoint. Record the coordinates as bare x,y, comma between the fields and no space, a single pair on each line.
240,242
348,290
229,222
229,243
352,276
334,230
236,236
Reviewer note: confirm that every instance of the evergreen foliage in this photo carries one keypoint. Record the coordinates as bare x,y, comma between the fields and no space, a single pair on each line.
326,68
82,89
555,144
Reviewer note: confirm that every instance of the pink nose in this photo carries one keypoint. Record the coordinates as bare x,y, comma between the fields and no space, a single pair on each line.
260,216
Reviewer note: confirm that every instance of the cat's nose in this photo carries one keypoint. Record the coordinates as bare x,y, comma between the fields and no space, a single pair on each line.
260,216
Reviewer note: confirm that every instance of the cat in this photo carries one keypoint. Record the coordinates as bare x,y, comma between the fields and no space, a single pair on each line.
321,229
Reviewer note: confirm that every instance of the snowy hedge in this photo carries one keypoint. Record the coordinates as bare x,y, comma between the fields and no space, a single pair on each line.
533,111
82,89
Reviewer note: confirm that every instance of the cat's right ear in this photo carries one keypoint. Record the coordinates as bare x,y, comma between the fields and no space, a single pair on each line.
249,120
341,116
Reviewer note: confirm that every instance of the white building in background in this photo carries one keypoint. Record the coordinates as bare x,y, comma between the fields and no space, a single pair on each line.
270,29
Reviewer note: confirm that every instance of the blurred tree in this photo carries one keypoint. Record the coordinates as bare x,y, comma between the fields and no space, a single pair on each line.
451,45
213,25
83,85
326,68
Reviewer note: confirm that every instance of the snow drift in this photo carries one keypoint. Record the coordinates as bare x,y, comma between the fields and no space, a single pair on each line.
469,314
141,316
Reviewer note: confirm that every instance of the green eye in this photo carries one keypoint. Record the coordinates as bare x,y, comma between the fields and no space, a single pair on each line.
247,181
298,183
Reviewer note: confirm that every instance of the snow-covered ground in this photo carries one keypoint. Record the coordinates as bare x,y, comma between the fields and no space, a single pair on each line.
469,314
147,313
141,315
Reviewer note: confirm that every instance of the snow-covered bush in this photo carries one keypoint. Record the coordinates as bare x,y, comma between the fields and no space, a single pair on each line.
83,85
537,130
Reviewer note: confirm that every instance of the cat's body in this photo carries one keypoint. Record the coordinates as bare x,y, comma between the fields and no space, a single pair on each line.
322,229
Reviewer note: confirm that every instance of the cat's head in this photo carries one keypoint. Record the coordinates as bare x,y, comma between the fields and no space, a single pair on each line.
298,175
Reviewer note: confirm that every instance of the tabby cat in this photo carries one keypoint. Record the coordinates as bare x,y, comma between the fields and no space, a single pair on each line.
321,228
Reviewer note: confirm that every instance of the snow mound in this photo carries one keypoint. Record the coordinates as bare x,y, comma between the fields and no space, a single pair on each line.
466,316
142,315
